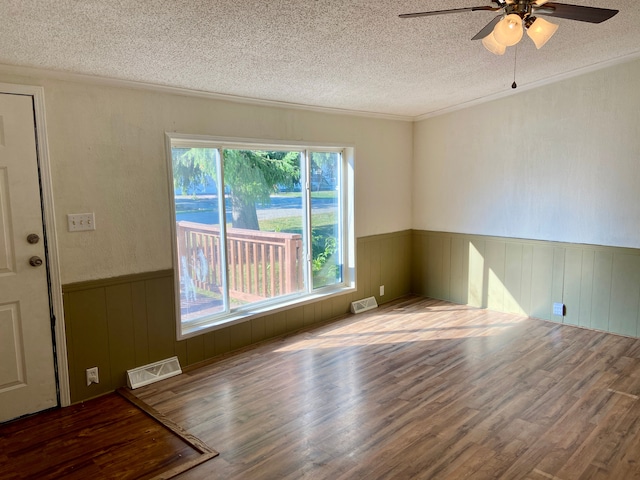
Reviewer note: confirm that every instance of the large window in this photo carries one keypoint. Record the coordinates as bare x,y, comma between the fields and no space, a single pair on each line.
257,227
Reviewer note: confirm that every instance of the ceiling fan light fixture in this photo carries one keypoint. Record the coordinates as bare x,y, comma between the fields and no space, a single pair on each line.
508,31
540,31
492,45
539,3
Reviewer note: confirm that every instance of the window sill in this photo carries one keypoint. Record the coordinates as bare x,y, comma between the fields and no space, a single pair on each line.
200,327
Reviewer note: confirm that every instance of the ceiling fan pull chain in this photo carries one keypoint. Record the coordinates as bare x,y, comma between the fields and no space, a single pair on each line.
515,62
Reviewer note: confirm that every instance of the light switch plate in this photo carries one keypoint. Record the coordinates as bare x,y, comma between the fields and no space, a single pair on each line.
78,222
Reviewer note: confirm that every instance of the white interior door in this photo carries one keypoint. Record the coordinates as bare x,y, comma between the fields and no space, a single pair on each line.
27,375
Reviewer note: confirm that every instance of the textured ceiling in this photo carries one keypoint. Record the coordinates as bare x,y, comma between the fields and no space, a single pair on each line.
344,54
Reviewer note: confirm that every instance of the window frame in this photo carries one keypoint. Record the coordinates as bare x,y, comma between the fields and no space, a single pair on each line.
346,227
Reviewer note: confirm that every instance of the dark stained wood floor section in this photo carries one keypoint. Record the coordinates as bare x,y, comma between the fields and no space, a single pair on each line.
107,437
418,389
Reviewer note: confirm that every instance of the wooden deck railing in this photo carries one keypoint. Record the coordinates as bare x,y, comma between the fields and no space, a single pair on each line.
260,264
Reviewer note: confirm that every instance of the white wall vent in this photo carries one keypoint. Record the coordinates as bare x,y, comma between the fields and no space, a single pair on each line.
363,305
154,372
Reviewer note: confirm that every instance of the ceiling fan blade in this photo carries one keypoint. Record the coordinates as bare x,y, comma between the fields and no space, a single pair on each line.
487,29
441,12
575,12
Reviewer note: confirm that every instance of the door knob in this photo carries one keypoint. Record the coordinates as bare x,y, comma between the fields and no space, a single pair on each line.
35,261
33,238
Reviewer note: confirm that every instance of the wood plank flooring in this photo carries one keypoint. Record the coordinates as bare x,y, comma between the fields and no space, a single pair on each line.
107,437
417,389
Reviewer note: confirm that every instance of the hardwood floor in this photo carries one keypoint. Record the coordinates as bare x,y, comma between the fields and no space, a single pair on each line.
417,389
107,437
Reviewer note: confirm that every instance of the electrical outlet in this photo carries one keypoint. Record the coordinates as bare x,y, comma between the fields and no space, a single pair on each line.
92,376
77,222
558,309
382,290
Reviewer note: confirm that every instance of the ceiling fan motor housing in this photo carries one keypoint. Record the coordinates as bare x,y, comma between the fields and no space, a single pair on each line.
522,8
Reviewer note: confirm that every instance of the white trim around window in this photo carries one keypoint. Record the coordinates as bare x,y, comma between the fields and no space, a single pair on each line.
251,251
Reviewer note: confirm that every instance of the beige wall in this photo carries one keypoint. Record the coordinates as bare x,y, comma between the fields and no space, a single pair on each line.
526,201
107,151
559,163
107,155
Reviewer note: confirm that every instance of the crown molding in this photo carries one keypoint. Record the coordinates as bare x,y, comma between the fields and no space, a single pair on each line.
530,86
115,82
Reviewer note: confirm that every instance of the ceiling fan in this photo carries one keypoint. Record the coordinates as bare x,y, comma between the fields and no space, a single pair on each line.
516,16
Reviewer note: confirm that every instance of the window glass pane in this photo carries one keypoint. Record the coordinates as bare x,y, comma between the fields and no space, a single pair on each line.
265,245
326,235
198,207
258,228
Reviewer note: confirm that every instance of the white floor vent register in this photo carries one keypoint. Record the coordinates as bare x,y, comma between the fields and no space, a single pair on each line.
154,372
363,305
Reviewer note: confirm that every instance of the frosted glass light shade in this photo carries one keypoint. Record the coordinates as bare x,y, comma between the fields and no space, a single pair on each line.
539,3
541,31
508,31
490,44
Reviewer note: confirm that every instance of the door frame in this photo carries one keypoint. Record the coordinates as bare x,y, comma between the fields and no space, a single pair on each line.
55,283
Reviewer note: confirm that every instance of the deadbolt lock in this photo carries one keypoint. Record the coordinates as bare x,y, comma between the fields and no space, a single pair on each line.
33,238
